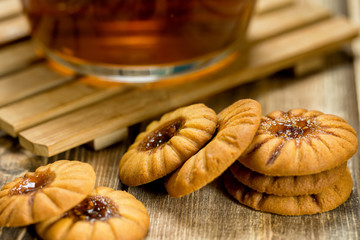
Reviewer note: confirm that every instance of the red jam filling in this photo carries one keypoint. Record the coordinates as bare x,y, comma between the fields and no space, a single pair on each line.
32,182
94,208
291,129
161,135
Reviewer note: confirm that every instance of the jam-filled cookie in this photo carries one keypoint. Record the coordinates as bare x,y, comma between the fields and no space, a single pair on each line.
326,200
290,185
166,144
237,125
49,191
104,214
300,142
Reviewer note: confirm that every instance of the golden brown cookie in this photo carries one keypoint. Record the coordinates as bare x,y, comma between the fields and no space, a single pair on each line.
290,185
166,144
326,200
300,142
237,125
49,191
104,214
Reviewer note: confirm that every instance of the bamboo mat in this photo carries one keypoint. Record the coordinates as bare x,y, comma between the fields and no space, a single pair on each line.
52,112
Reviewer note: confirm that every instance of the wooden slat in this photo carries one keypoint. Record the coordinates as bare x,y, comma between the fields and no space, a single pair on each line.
88,123
109,139
34,79
265,6
54,102
9,8
16,57
13,29
283,20
308,66
15,118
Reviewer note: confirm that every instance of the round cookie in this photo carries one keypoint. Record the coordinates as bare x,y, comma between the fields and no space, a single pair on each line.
49,191
326,200
104,214
299,142
288,186
166,144
237,125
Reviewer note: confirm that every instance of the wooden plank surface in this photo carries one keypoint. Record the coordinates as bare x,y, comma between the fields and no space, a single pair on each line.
10,8
43,106
16,56
211,213
27,82
354,14
70,130
263,7
109,139
14,28
281,21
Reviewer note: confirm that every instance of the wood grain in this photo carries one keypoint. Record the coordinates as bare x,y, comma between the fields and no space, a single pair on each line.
107,116
273,24
27,82
10,8
46,105
354,13
211,213
13,29
109,139
38,77
16,56
263,6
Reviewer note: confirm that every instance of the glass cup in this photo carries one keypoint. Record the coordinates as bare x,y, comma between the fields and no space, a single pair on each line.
138,40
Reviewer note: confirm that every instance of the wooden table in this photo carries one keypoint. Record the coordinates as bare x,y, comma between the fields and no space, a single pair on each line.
211,213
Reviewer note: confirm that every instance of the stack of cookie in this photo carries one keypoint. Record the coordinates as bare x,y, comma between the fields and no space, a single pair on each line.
289,163
296,164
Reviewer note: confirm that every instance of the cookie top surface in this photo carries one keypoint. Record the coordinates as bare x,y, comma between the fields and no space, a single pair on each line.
290,185
166,144
49,191
326,200
300,142
104,214
237,125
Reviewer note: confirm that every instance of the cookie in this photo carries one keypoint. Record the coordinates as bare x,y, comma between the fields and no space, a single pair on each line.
49,191
288,186
300,142
326,200
166,144
104,214
237,125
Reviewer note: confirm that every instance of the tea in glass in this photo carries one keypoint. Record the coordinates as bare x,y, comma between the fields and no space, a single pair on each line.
138,40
